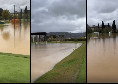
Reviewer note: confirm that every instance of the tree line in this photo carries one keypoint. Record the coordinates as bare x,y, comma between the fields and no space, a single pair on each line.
6,15
103,29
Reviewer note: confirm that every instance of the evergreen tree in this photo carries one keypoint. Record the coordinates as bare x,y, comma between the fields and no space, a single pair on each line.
1,10
108,25
98,25
103,25
25,13
114,27
21,14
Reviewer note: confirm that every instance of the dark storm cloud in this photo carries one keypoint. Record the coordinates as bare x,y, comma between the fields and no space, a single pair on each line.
102,10
58,15
20,4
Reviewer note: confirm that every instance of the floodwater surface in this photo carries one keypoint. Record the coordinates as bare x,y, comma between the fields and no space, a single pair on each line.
45,56
15,40
102,59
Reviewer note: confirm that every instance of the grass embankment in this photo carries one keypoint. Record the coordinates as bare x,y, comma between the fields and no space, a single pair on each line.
71,69
14,68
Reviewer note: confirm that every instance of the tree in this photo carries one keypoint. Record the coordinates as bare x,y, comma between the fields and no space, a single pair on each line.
25,13
89,30
21,14
51,37
114,27
6,14
103,25
98,25
108,25
1,10
61,37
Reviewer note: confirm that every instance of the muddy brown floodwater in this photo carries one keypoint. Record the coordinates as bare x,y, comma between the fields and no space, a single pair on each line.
45,56
15,40
102,59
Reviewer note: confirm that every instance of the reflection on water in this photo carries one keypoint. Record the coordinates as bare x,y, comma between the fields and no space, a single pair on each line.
6,35
15,40
102,59
45,56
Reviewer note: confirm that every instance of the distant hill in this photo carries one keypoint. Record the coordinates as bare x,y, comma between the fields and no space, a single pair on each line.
67,34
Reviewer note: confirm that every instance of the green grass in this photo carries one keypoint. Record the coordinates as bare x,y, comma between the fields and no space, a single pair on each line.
82,75
71,69
14,68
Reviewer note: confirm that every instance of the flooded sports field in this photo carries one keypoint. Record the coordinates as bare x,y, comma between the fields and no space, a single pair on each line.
16,39
102,58
45,56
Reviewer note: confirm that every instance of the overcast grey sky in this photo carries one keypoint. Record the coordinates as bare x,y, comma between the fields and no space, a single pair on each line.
20,4
102,10
58,15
